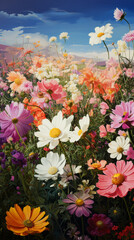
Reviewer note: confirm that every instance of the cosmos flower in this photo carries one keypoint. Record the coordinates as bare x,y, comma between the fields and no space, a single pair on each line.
15,119
26,86
123,115
99,225
100,165
78,132
26,221
55,131
119,14
17,79
101,33
117,179
67,175
51,166
80,203
118,147
128,37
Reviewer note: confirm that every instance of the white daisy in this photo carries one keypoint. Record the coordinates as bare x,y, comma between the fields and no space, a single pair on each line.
64,35
78,132
101,33
118,147
51,166
52,39
55,131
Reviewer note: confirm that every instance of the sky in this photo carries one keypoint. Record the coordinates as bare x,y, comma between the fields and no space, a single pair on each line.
42,19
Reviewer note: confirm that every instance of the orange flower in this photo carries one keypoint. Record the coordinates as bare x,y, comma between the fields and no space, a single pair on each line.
27,221
100,165
17,80
69,107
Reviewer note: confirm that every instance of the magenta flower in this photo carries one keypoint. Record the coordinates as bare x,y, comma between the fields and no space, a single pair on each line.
117,179
128,37
119,14
15,119
130,153
123,115
51,89
80,203
99,225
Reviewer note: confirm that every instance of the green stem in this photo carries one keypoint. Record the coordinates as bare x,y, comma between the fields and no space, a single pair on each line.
64,151
19,135
128,210
127,23
106,48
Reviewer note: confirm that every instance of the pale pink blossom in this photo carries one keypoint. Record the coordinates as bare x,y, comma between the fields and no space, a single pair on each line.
128,37
100,165
118,14
103,107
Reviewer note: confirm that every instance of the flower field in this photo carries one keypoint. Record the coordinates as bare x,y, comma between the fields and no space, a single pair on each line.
67,142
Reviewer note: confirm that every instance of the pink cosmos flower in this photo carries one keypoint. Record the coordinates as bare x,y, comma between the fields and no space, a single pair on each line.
40,98
122,133
80,203
26,86
128,72
103,130
130,153
119,14
103,107
128,37
117,179
123,115
52,89
99,225
100,165
15,118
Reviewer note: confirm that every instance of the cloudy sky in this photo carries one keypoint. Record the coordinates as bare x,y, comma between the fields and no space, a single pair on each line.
42,19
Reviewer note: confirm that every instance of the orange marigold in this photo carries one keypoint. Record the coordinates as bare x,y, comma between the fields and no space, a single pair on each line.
26,221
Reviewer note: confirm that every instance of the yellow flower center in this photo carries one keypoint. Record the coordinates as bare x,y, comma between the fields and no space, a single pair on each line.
118,178
28,223
79,132
14,120
55,132
120,149
69,174
52,170
40,95
124,113
65,54
79,202
99,224
115,211
100,34
96,165
17,81
31,154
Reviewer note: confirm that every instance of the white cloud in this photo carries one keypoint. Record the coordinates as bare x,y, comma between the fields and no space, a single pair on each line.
16,37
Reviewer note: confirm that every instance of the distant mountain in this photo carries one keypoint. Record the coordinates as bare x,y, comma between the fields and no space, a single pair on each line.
8,54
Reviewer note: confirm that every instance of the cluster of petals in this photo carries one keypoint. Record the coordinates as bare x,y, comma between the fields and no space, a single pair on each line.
128,37
15,119
99,225
80,203
118,147
123,115
16,79
52,89
55,131
51,166
100,165
118,14
26,221
104,130
117,179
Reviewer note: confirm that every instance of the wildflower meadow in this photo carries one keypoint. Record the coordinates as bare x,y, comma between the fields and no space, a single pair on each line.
67,141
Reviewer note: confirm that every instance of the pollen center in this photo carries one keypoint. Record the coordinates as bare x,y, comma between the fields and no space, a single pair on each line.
17,81
79,202
117,178
52,170
28,223
100,34
99,224
79,132
96,165
40,95
55,132
120,149
14,120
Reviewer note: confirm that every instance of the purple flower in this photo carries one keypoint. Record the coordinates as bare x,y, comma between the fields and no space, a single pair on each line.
99,225
80,203
2,159
18,159
15,119
123,115
128,37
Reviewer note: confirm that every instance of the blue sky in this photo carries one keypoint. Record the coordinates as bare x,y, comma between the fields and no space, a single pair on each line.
42,19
